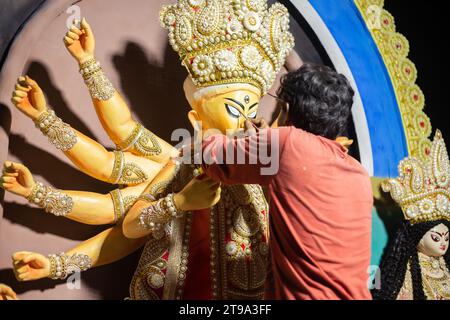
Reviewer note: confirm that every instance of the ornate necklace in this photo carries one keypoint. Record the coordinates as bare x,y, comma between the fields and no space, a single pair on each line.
435,277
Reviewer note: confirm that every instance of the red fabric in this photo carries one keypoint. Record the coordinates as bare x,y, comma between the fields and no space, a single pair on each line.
320,214
198,278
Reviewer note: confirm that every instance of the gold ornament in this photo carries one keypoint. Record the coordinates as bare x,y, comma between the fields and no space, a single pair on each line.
62,265
423,188
52,201
60,134
156,216
98,84
143,141
229,41
126,173
435,277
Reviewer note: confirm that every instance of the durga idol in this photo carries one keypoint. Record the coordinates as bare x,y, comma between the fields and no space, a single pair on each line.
417,265
232,50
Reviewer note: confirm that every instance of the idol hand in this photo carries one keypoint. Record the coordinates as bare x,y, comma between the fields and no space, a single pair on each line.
16,178
80,41
345,142
30,266
29,98
6,293
200,193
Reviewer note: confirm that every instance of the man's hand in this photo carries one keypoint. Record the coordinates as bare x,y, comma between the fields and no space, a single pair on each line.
30,266
200,193
29,98
293,61
16,178
253,126
80,41
6,293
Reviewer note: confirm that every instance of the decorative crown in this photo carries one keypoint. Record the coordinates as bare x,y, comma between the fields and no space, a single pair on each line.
422,188
229,41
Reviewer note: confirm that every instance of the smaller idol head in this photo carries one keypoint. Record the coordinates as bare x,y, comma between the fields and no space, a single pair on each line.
222,108
435,242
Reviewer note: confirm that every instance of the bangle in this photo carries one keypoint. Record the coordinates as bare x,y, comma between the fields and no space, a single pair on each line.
158,214
143,141
51,200
126,172
62,265
170,205
119,207
60,134
98,84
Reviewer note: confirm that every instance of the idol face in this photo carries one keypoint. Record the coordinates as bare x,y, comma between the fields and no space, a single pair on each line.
225,109
435,242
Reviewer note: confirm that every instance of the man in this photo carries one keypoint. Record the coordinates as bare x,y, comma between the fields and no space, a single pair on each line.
320,198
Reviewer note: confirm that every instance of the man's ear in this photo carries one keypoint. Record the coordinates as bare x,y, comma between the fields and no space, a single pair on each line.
194,119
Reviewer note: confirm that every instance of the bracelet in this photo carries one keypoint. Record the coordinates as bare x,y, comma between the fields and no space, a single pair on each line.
119,207
62,265
51,200
143,141
98,84
126,173
121,204
147,197
158,214
60,134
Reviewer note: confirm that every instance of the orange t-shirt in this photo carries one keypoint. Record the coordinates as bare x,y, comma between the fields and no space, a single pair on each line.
320,212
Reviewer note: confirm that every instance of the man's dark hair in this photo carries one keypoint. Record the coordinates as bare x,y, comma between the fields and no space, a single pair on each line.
320,100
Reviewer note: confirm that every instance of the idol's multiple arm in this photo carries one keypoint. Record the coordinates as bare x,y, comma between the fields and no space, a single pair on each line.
139,157
142,164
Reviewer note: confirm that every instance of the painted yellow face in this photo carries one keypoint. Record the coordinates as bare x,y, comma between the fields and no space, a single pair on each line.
226,109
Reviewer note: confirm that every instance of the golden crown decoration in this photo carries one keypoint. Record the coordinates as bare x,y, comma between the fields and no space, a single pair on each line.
422,188
229,41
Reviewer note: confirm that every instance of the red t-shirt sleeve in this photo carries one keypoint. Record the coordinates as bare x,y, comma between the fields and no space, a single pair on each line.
249,160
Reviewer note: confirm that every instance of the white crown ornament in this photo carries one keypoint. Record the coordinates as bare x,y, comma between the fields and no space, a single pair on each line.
229,41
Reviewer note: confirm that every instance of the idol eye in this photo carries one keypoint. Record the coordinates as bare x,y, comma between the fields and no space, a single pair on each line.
252,115
232,111
435,238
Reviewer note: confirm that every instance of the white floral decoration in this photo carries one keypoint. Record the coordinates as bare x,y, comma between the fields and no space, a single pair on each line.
252,21
250,57
412,211
225,60
203,65
234,26
426,206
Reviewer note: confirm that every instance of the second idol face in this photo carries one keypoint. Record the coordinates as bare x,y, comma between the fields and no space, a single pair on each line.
435,242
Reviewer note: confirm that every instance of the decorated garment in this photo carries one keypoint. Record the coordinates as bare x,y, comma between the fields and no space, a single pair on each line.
435,279
218,253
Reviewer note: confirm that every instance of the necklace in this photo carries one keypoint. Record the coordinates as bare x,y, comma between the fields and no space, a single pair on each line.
435,277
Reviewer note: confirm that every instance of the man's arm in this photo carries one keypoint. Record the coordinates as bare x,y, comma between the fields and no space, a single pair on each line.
254,159
293,61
